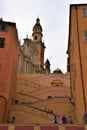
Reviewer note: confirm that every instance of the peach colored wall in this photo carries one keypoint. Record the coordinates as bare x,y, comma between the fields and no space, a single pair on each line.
29,85
23,113
2,109
8,63
75,73
60,106
78,54
40,87
40,53
37,113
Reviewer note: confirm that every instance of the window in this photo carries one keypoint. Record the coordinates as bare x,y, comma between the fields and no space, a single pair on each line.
2,42
3,27
49,97
85,12
35,37
85,36
16,101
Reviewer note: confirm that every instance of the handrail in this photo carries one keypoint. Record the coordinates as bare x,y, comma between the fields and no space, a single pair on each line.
36,108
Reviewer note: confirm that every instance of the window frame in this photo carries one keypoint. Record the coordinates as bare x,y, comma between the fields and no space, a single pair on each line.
85,36
2,42
3,27
85,12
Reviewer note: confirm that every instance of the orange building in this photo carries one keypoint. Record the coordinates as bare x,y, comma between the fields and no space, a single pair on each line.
8,66
77,59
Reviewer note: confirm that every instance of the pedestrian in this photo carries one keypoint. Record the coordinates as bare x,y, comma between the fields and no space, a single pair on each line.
64,119
55,120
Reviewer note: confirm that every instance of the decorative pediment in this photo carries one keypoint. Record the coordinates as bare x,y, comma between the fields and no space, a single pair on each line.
57,82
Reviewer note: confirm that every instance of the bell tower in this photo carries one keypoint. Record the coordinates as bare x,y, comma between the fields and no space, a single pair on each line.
37,31
37,39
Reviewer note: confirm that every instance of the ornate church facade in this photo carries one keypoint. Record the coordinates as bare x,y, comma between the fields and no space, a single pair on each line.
31,53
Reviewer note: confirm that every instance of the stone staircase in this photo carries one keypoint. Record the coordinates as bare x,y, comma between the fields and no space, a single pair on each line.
28,113
33,97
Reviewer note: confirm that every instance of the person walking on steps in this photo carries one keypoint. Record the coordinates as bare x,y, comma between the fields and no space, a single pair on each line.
55,120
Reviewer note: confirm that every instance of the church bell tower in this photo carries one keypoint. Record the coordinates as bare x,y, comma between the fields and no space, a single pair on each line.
37,39
37,31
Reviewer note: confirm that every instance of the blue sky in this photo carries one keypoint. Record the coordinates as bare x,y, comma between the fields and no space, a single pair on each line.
54,18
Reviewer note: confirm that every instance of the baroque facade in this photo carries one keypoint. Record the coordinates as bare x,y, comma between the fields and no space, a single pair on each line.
31,53
28,57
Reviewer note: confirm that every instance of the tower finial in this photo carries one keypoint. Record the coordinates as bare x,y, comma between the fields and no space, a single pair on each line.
27,36
38,20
